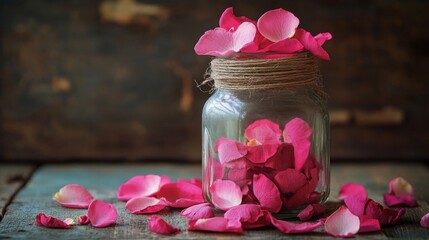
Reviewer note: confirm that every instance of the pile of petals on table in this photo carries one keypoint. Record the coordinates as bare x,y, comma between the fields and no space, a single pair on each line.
272,168
151,193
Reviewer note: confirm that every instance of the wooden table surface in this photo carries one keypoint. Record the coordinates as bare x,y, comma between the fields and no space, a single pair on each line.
26,190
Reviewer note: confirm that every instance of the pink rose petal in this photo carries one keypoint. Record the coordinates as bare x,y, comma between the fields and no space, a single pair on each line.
305,195
203,210
101,214
424,221
221,42
145,205
290,180
368,224
144,186
400,192
297,132
250,215
83,220
216,224
229,150
264,132
356,204
261,153
342,223
386,216
288,45
392,200
321,38
159,226
181,195
228,20
282,159
312,210
278,24
73,196
311,44
293,228
352,189
238,175
267,193
51,222
225,194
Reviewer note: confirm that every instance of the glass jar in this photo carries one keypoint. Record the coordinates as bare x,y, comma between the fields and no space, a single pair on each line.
267,147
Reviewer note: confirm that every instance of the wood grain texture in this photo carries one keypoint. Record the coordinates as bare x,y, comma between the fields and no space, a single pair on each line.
103,180
12,178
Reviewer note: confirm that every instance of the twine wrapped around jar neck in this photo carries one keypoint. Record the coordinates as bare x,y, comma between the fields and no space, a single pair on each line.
253,73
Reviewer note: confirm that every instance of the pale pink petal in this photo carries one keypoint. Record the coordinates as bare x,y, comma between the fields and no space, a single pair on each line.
216,224
400,187
386,216
305,195
267,193
278,24
229,150
261,153
342,223
368,224
312,210
424,221
352,189
264,132
392,200
101,214
290,180
250,215
145,205
225,194
282,159
203,210
293,228
159,226
311,44
51,222
83,220
73,196
221,42
297,132
228,20
321,38
181,195
288,45
144,186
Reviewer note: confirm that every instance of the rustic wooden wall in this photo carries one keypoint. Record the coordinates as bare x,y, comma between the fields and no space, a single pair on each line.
115,80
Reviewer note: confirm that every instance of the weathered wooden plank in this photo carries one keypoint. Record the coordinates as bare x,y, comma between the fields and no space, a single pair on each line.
12,178
103,181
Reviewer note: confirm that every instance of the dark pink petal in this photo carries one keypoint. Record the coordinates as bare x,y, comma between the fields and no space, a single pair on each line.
264,132
424,221
297,132
51,222
83,220
143,186
229,150
368,224
291,228
225,194
159,226
218,170
392,200
73,196
311,44
203,210
216,224
228,20
221,42
290,180
267,193
312,210
321,38
282,159
278,24
241,163
250,215
356,204
352,189
101,214
237,174
288,45
342,223
261,153
305,195
181,195
386,216
145,205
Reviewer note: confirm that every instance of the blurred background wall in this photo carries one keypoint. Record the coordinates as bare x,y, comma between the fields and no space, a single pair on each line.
116,79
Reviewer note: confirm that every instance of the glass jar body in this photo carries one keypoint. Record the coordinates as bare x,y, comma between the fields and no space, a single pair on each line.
263,143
